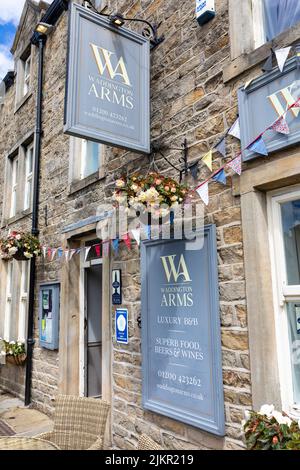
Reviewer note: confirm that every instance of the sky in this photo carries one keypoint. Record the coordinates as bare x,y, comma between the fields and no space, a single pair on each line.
10,12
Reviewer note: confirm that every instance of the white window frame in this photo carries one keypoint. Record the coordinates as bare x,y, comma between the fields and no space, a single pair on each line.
77,160
28,176
14,186
23,301
8,300
84,157
259,34
27,75
282,294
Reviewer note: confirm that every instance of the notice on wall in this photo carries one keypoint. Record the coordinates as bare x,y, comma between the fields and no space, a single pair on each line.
182,371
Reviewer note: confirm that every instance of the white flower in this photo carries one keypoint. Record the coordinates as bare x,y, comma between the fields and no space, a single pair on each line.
120,183
266,410
134,187
28,255
281,419
174,198
3,353
12,342
18,237
13,250
247,415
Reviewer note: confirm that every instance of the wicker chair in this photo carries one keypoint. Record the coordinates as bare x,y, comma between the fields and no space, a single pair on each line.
79,423
146,443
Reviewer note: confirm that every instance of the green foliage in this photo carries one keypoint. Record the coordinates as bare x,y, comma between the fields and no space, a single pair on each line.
274,431
12,348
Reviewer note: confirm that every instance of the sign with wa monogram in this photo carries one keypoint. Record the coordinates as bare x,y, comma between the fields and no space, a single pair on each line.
108,82
267,98
181,344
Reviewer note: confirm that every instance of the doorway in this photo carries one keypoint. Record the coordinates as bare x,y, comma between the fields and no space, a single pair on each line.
93,318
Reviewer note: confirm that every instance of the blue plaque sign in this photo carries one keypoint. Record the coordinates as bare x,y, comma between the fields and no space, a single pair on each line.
122,325
181,345
108,82
265,100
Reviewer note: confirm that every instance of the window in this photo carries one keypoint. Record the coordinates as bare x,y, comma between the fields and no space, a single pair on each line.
28,176
279,15
16,300
17,200
86,159
90,156
8,301
255,22
273,17
284,213
25,266
14,185
26,75
23,76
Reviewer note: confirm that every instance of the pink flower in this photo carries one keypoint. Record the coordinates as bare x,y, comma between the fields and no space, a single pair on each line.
167,188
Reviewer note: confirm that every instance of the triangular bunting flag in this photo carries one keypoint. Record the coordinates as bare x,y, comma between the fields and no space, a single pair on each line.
44,249
220,177
98,250
280,126
49,253
115,245
203,193
268,65
67,255
72,253
87,250
127,240
235,129
194,170
54,251
221,147
105,246
258,147
136,233
59,252
207,159
236,164
296,104
248,83
281,56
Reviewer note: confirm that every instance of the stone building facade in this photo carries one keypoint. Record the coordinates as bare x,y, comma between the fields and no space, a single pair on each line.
195,75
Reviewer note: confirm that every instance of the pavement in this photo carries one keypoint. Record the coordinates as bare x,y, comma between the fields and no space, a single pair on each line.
23,420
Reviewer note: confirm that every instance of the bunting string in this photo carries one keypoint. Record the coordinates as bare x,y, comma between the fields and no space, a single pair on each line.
239,154
257,145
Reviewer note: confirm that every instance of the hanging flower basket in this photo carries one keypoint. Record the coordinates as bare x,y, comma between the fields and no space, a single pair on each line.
154,193
20,246
16,360
14,352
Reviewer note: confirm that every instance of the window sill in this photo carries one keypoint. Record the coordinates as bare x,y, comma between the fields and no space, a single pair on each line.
247,61
76,186
16,218
22,101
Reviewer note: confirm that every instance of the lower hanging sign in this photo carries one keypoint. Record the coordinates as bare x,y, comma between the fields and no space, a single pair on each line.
181,338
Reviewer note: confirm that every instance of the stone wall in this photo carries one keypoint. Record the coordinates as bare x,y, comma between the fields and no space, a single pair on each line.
188,100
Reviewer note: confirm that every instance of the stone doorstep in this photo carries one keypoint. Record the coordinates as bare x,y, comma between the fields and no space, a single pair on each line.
24,421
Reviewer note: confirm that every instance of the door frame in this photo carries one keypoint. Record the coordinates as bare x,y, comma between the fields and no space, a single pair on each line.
106,322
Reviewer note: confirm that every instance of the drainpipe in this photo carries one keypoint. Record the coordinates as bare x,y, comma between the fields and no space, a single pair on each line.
39,41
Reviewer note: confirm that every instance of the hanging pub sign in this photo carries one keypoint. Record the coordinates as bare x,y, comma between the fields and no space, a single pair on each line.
181,344
265,100
108,82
